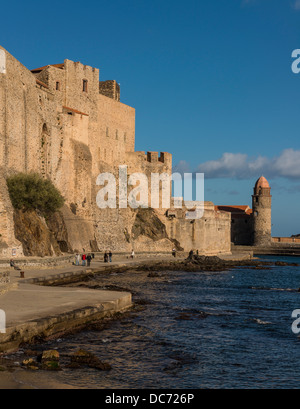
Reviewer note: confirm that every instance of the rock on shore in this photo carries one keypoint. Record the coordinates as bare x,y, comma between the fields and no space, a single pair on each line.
196,263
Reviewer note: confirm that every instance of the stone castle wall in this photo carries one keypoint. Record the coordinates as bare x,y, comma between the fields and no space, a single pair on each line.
65,124
209,235
8,243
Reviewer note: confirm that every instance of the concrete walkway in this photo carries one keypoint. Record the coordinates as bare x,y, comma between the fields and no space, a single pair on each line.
32,310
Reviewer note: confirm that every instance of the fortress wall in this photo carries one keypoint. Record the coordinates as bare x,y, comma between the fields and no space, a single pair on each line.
72,134
114,227
72,161
116,130
37,135
75,96
18,105
29,123
45,142
74,177
148,164
210,235
71,157
289,240
114,230
50,77
8,241
110,89
241,230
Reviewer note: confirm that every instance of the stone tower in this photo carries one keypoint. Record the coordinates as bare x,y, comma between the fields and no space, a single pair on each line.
261,205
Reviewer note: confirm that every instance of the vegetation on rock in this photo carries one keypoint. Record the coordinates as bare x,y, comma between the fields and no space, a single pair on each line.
32,192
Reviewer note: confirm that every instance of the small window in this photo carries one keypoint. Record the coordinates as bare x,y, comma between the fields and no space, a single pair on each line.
117,134
84,85
107,132
125,136
57,86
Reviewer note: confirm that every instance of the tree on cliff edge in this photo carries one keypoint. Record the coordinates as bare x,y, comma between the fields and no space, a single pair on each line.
32,192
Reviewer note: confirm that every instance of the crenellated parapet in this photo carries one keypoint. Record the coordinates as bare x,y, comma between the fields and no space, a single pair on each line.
110,89
154,157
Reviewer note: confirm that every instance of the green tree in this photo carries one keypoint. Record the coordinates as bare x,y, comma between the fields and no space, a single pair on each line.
32,192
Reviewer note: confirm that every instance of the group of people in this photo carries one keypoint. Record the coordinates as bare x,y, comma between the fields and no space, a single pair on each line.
108,257
84,258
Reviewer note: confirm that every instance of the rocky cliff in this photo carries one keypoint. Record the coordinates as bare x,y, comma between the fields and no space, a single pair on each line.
32,231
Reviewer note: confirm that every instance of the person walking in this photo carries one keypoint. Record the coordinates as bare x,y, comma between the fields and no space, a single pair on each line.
191,253
89,259
77,259
83,259
110,256
105,257
132,254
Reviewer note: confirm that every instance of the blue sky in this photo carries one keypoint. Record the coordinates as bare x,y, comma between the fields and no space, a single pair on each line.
211,82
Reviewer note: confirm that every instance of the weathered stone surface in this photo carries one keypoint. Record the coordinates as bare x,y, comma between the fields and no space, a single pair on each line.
8,243
32,231
148,224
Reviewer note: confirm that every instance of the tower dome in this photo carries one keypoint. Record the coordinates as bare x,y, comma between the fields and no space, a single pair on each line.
262,182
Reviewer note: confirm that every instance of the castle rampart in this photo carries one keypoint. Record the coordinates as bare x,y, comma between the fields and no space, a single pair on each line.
62,122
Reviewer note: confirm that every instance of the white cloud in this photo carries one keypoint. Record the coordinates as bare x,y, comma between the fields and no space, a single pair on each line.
181,167
226,166
241,166
296,5
288,164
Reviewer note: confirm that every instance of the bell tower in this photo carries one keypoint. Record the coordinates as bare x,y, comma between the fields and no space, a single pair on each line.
261,205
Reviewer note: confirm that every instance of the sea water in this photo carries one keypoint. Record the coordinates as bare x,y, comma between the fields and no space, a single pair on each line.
228,329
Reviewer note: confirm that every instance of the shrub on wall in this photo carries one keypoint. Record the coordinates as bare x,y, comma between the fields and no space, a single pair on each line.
32,192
